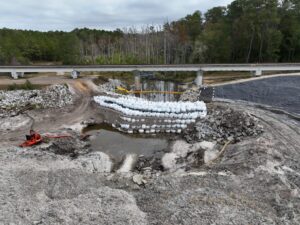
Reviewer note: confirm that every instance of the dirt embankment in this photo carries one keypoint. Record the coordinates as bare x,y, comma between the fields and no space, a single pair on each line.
60,109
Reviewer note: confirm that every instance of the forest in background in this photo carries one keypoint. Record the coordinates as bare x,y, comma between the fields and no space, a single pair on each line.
246,31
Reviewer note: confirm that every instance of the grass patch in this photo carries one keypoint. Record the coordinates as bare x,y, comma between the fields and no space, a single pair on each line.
221,77
126,77
178,77
25,86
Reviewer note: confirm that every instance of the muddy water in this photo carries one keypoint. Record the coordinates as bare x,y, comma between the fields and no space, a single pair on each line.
105,139
162,86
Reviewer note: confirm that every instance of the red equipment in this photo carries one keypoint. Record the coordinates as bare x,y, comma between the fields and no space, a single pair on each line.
35,138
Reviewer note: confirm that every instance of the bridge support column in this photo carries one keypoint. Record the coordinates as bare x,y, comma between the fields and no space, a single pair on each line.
16,75
75,74
258,73
137,80
199,78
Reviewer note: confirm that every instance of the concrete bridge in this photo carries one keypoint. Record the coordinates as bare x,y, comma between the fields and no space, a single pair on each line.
75,70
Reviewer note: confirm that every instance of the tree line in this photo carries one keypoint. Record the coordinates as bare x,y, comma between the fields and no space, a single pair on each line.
246,31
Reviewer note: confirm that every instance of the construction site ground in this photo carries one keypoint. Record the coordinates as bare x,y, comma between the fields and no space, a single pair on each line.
254,181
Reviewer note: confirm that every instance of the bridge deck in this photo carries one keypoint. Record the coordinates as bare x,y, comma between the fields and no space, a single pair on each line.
153,68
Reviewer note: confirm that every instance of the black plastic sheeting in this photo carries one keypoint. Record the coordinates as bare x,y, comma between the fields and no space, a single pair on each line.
278,92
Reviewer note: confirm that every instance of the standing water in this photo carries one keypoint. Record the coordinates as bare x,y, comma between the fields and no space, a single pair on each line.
160,86
117,145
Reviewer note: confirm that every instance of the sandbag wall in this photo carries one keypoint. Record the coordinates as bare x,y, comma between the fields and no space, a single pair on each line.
136,115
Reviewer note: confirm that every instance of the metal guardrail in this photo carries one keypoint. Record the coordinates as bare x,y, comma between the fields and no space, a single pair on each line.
75,70
152,68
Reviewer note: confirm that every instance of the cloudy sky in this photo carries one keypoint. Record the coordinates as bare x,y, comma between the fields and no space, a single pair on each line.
102,14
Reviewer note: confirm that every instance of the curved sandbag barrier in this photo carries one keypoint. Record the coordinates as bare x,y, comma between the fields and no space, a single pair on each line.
142,116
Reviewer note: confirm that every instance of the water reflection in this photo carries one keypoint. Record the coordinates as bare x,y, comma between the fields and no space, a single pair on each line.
162,86
117,145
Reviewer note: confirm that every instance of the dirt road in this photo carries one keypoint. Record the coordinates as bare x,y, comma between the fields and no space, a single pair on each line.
56,119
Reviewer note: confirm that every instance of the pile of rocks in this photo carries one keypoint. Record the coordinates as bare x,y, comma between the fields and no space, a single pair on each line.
111,85
56,96
224,124
203,93
190,95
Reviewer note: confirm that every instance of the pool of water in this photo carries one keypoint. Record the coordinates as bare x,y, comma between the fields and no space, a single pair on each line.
117,145
162,86
106,139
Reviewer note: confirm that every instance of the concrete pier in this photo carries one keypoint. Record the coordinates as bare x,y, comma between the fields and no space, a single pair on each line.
75,74
137,80
16,75
199,78
258,73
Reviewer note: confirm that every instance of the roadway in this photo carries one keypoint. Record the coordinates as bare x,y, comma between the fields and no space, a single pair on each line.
154,68
278,91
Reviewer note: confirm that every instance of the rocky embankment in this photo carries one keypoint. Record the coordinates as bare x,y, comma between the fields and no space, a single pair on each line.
12,102
224,124
110,86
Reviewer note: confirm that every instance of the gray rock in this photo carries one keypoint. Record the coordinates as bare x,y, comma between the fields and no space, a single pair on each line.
224,124
111,85
56,96
139,179
96,162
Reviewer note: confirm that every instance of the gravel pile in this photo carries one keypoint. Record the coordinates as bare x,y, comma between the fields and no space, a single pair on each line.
56,96
224,124
194,94
191,95
111,85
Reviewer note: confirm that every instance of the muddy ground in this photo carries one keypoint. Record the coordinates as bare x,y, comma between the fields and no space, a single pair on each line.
254,181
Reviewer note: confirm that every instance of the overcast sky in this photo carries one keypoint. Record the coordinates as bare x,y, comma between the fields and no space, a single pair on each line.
101,14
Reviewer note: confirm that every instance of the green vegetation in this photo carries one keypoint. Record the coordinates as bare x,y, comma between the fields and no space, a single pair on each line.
246,31
179,77
126,77
26,86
